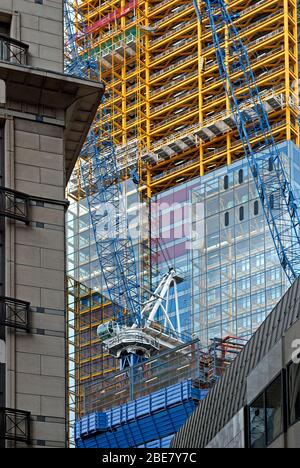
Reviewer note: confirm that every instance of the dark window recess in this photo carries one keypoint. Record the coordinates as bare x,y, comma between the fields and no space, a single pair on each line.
272,202
257,423
14,205
256,208
227,219
2,386
226,182
5,26
14,313
241,213
274,410
11,50
241,176
271,164
294,393
266,415
14,425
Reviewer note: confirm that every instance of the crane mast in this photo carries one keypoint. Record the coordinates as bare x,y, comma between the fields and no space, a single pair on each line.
135,333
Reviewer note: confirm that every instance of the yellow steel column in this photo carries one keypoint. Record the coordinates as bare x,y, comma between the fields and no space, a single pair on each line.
149,191
287,68
228,109
123,85
294,8
201,67
147,75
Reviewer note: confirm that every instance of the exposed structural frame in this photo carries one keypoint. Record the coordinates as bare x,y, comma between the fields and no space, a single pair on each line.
273,186
192,133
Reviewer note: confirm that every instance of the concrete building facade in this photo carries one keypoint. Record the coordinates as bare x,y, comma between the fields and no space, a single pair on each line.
44,119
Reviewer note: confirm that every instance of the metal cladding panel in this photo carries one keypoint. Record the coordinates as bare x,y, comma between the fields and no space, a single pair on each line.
153,428
228,396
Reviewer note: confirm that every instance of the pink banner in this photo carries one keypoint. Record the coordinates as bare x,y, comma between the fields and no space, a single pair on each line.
113,16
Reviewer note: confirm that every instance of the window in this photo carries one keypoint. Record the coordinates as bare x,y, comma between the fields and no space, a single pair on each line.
257,423
266,415
271,164
272,202
227,219
241,176
4,31
256,208
241,213
274,410
294,393
226,182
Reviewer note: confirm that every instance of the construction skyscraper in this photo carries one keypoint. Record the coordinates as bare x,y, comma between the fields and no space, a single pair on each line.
177,143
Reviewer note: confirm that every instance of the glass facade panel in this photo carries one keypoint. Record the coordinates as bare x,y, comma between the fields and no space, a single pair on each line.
257,423
233,263
266,415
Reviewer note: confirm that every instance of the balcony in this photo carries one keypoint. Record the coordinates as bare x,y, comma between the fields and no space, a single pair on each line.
14,425
14,205
13,51
14,313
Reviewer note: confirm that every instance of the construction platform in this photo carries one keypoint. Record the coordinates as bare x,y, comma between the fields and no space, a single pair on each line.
151,421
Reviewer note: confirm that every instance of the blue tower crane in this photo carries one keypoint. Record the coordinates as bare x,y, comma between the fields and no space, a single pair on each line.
271,181
135,333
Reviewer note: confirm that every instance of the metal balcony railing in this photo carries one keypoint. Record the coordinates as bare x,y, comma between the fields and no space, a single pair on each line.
14,205
14,425
12,50
14,313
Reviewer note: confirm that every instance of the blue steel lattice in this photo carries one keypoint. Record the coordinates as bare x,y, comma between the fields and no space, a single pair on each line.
102,184
273,186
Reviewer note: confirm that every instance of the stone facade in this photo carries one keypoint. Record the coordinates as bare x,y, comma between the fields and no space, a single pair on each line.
39,24
42,130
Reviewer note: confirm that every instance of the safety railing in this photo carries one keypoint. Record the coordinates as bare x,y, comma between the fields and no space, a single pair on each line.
12,50
14,205
15,425
14,313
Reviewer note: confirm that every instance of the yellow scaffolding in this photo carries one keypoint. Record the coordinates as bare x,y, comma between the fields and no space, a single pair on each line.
163,80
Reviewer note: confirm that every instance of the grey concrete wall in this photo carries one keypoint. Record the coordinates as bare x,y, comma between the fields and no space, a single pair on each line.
232,435
40,25
35,269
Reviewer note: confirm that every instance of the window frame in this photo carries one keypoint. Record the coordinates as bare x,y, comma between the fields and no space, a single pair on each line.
288,416
263,393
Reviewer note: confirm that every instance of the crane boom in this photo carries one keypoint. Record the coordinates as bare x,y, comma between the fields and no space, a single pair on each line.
101,181
255,133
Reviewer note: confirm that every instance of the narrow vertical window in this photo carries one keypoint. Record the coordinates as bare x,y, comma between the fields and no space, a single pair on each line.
226,182
256,208
241,213
227,219
271,164
241,176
